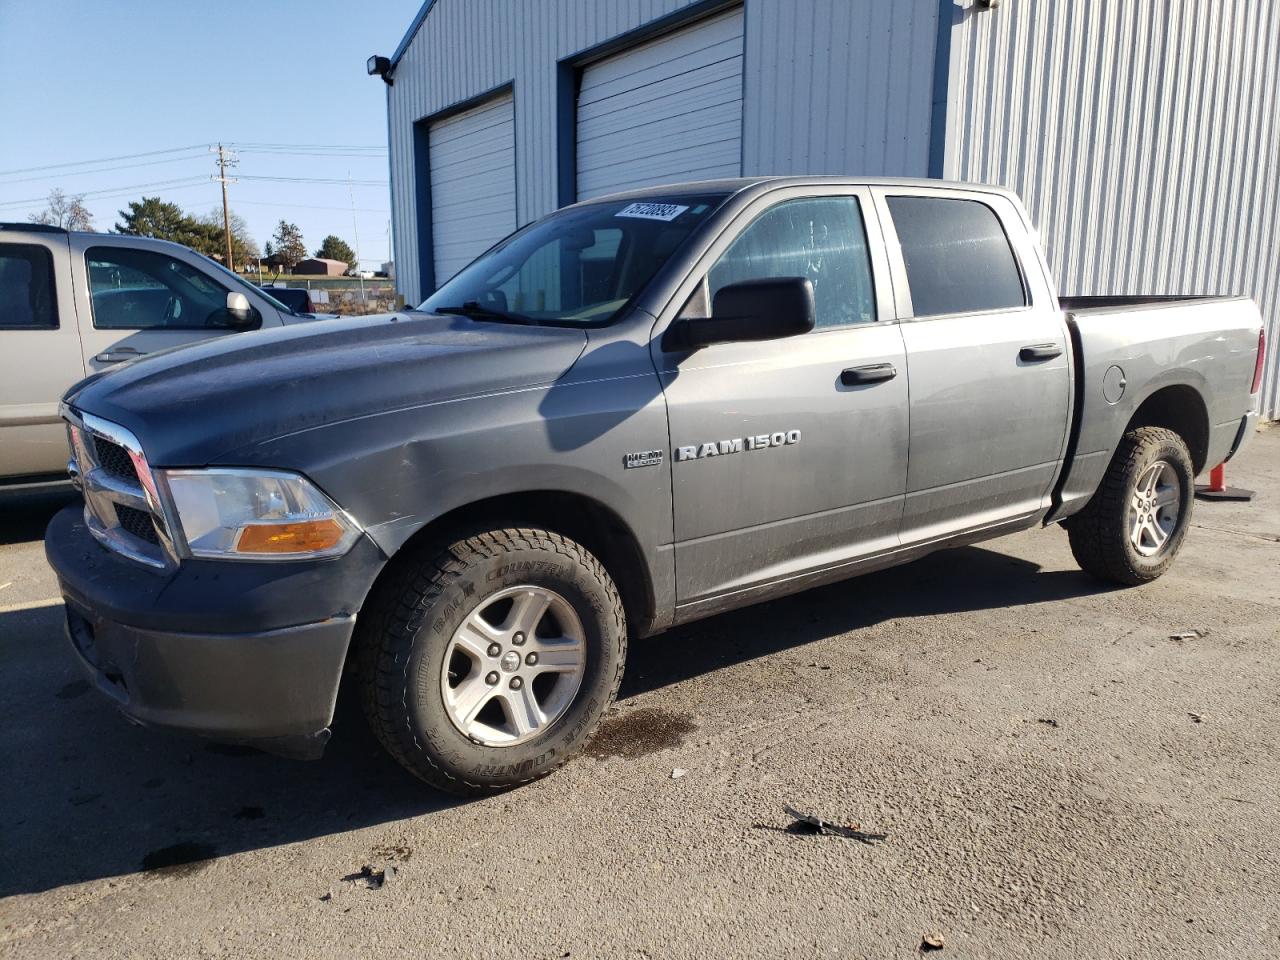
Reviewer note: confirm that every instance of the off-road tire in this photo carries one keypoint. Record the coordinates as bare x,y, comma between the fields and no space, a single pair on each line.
1099,534
407,625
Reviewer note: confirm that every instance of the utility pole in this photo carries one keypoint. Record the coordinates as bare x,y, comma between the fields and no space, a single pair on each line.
225,160
355,231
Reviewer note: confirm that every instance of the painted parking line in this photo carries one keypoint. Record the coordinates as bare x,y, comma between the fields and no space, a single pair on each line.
30,605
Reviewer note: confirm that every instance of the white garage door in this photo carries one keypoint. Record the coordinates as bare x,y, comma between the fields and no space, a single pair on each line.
668,110
472,163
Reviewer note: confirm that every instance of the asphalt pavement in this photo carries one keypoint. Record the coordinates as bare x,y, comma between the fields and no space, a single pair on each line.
1059,769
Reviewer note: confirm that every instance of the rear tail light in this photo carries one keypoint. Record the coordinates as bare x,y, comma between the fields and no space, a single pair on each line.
1257,366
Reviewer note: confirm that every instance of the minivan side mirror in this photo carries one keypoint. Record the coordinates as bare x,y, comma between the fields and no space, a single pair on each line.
240,313
754,310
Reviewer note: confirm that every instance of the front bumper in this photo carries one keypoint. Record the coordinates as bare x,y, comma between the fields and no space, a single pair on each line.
238,651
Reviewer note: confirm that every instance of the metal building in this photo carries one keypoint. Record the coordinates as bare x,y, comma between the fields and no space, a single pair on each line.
1143,136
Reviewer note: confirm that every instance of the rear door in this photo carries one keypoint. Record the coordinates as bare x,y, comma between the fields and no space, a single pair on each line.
779,468
988,361
39,352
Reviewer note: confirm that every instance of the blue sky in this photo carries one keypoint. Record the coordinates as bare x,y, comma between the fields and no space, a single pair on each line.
82,81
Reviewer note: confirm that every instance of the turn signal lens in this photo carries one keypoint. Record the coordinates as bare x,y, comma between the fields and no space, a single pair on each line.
308,536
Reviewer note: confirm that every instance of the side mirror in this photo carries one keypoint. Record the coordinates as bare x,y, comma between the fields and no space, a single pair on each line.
240,313
754,310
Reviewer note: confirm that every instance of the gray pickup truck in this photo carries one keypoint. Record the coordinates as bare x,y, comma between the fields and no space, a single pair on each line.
633,413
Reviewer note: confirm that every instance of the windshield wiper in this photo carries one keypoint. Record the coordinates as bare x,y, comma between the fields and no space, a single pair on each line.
475,311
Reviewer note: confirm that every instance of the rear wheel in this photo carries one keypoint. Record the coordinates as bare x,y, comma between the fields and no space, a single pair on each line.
1135,524
491,662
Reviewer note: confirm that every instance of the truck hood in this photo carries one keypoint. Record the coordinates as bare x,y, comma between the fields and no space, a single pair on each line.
190,405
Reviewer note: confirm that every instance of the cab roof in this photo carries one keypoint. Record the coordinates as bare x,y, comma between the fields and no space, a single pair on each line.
732,186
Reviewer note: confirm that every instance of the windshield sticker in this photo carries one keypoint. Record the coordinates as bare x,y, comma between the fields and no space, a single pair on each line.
652,211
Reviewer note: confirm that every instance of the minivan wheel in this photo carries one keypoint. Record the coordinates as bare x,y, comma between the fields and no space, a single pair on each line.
490,663
1135,523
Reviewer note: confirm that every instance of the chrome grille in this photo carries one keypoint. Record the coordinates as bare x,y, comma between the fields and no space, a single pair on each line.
122,507
114,459
138,523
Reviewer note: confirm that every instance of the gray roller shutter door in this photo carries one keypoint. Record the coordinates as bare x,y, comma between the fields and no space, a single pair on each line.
472,164
668,110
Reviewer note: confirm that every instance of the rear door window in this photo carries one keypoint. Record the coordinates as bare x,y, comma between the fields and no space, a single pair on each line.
957,256
27,300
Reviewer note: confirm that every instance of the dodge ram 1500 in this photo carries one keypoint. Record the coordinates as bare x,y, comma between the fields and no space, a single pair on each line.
638,411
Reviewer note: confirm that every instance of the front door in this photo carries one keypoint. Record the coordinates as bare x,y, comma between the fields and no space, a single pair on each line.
141,300
39,353
988,359
782,463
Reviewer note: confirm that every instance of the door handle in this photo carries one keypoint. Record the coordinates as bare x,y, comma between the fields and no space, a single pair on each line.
1039,351
868,373
118,355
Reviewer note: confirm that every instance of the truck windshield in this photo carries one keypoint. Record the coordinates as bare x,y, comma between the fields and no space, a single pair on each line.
578,267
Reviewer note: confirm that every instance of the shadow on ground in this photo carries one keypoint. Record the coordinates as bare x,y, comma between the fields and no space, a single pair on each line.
952,581
88,796
25,514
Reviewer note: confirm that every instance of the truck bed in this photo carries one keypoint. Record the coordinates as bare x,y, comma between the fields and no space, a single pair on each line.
1193,353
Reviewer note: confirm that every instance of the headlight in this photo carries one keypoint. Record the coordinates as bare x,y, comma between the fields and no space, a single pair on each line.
256,515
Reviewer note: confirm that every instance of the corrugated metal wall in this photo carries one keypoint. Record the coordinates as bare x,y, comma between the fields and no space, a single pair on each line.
829,86
1144,138
838,87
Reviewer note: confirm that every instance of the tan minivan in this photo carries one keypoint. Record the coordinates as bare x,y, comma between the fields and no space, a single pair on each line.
72,304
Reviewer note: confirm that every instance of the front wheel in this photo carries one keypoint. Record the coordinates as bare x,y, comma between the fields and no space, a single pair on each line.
491,663
1134,525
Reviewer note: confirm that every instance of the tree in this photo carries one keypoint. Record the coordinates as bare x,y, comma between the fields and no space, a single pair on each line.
289,245
153,217
63,211
243,247
334,248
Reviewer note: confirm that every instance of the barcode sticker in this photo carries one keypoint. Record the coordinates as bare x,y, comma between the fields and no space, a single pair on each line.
652,211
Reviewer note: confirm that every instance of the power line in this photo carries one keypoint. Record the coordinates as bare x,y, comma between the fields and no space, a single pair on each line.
85,163
317,151
126,166
308,146
296,149
112,191
303,206
338,180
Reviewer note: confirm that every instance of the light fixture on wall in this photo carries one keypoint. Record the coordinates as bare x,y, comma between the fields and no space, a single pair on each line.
381,67
988,4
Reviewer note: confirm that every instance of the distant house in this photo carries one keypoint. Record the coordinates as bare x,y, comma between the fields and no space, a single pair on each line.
275,262
319,267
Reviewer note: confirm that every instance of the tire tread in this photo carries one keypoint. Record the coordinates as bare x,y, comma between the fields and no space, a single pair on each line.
406,599
1096,543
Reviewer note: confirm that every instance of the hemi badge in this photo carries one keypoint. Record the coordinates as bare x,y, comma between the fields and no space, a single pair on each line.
642,458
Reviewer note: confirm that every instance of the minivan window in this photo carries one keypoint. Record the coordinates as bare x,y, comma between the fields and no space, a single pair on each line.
577,267
133,289
27,300
957,256
822,238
